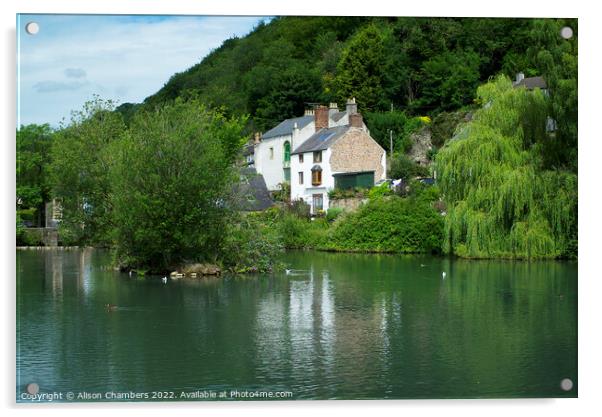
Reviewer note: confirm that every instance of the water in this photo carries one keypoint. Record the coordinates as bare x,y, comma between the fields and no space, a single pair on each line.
344,326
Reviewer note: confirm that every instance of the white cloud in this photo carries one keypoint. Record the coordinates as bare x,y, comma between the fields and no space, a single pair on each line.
122,58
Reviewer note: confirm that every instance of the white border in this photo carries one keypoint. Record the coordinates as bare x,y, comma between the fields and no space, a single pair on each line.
590,288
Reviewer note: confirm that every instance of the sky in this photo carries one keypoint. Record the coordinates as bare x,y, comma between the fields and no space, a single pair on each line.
122,58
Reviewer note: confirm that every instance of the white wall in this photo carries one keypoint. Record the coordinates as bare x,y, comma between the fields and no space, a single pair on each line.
272,169
306,190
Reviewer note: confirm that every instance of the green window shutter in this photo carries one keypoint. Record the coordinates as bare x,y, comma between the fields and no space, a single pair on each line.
287,152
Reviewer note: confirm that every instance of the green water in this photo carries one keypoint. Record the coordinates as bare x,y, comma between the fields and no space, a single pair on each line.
346,326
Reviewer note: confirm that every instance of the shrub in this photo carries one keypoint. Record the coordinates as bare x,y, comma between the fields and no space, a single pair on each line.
380,191
391,224
403,167
333,213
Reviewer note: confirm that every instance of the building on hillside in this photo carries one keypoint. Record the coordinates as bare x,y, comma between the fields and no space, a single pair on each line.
335,156
272,150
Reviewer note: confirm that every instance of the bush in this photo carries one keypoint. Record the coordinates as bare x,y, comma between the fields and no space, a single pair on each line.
333,213
339,193
391,224
380,191
251,245
403,167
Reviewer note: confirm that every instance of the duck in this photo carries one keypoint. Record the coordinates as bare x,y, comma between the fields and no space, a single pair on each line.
443,275
110,307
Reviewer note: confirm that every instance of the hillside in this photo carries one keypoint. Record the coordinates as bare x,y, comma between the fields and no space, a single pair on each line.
419,65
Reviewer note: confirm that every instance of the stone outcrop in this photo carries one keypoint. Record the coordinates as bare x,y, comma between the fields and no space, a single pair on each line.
421,145
196,271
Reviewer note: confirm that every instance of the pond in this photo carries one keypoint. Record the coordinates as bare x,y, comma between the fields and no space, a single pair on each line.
338,326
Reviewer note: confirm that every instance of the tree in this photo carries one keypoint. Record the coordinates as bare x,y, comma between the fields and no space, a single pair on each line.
501,203
82,154
370,64
32,160
170,185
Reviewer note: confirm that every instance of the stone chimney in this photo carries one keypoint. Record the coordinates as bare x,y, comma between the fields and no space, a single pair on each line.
356,120
257,138
519,77
321,117
351,106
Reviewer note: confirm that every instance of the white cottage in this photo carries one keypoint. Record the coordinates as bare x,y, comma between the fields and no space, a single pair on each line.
324,149
272,151
335,156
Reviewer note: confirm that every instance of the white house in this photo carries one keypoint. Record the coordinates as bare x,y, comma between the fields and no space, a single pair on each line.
335,156
324,149
272,151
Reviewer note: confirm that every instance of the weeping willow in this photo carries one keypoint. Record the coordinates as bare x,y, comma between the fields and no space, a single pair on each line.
501,203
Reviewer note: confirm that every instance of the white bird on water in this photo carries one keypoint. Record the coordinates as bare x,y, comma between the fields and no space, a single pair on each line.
443,275
164,279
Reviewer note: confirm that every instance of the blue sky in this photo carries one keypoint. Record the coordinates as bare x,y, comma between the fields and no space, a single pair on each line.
123,58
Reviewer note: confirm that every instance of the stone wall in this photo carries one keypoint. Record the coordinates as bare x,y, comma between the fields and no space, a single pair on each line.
347,204
356,151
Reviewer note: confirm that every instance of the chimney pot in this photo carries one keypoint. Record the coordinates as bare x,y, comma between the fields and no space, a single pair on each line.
351,106
257,138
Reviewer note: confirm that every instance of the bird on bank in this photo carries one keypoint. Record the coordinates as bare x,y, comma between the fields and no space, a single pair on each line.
110,307
164,279
443,275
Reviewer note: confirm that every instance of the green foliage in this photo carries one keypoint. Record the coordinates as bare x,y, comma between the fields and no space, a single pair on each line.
444,126
32,160
380,191
82,153
170,183
402,126
424,65
371,65
341,193
392,224
449,80
251,244
403,167
333,213
500,202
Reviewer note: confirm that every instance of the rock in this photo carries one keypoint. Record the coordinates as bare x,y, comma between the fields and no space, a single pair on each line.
194,270
421,144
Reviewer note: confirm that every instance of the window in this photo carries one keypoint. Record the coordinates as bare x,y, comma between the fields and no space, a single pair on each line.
271,153
300,158
287,151
316,175
287,174
318,156
318,202
300,177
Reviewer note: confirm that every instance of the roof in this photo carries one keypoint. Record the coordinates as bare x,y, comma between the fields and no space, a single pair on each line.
322,139
532,82
286,127
338,115
252,192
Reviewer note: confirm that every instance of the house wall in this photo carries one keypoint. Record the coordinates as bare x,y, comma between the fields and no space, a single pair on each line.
306,190
273,169
357,152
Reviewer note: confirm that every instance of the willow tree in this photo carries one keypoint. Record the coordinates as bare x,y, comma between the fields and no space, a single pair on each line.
501,202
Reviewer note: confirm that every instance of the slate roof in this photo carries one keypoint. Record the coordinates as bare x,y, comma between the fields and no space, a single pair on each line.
338,116
532,82
252,192
321,140
286,127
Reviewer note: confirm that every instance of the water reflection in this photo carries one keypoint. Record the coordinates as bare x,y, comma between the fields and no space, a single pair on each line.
350,326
